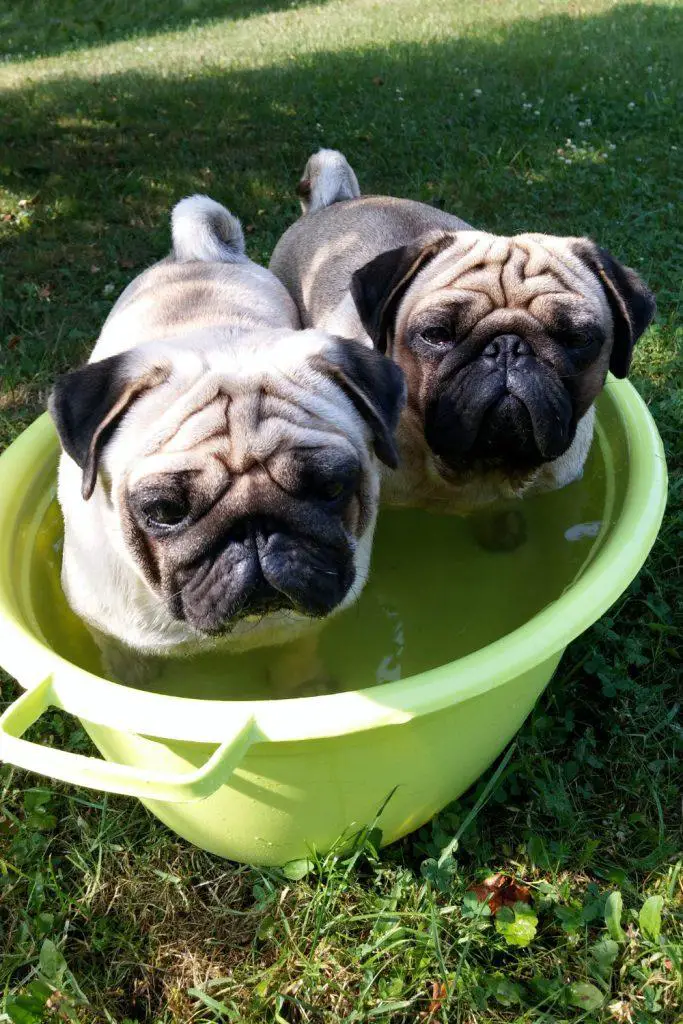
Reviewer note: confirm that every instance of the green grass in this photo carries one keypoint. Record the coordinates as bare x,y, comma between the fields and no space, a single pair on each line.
465,104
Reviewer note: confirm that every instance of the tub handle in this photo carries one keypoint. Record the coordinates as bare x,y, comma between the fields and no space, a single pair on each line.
181,787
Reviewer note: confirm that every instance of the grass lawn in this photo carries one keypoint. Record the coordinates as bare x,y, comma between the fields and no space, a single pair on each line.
544,115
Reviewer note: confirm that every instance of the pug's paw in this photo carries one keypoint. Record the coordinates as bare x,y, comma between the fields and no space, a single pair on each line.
297,670
499,530
123,665
320,685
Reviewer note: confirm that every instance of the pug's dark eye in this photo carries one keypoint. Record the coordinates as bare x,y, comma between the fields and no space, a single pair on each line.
333,491
575,337
165,512
578,340
336,492
437,336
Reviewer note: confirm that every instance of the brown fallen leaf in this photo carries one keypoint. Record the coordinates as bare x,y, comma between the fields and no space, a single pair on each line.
501,891
13,341
439,993
126,264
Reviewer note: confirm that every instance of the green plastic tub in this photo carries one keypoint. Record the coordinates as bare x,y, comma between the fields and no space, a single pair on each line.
436,667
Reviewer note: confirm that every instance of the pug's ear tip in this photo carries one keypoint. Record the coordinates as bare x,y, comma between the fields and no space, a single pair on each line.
390,457
386,449
649,305
88,482
303,189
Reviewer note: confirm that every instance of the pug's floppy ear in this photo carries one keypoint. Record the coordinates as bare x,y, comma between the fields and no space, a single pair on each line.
378,287
86,405
376,387
631,303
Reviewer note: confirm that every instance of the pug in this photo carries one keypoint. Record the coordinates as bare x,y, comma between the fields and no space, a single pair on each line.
505,342
220,476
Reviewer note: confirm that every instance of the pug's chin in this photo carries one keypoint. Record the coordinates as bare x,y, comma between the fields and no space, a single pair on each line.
506,437
251,631
475,485
503,446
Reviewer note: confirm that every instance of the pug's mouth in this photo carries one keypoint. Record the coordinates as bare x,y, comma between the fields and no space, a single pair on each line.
514,418
260,577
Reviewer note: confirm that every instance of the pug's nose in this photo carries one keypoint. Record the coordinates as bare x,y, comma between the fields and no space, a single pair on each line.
506,349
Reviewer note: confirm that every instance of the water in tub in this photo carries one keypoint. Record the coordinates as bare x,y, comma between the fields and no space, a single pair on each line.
435,593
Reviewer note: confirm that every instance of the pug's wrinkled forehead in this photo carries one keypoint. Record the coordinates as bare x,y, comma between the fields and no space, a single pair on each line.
226,402
488,284
219,410
531,277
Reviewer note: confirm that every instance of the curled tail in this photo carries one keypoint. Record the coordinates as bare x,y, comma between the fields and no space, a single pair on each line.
204,230
328,178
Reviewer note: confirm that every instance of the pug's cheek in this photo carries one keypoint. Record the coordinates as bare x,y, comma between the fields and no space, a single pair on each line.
549,408
454,419
148,556
212,598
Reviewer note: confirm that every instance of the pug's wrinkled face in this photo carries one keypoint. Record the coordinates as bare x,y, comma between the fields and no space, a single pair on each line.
505,342
240,484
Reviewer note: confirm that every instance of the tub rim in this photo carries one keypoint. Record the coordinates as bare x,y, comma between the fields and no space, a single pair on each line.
534,644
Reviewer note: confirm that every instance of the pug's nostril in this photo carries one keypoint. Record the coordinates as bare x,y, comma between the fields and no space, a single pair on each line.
519,346
506,347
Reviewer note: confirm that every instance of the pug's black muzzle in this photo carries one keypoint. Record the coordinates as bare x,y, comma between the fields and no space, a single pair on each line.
262,568
504,407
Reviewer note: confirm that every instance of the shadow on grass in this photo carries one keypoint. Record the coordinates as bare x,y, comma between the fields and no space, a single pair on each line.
478,126
30,28
563,124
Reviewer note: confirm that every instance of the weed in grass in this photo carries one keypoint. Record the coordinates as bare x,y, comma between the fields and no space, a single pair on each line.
548,116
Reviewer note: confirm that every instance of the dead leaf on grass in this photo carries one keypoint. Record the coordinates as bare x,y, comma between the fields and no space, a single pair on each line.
439,993
501,891
437,997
